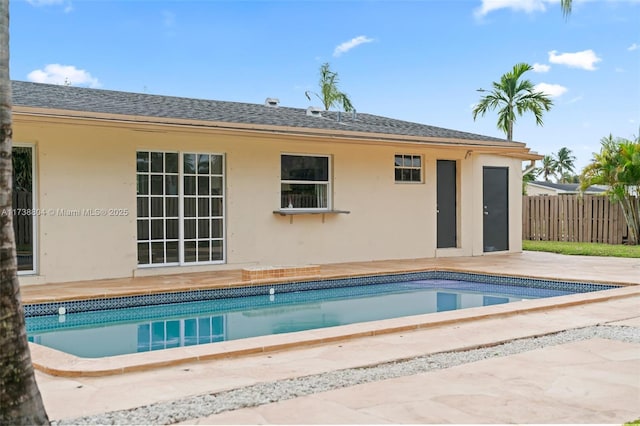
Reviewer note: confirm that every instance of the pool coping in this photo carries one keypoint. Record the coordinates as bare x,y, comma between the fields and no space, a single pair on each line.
270,287
58,363
91,294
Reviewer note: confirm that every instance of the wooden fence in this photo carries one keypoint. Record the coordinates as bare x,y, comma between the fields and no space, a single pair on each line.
587,218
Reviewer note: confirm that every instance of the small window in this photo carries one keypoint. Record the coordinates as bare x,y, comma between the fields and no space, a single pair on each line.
408,168
304,182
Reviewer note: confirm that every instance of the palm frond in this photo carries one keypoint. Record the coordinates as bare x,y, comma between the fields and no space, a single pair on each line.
566,7
330,95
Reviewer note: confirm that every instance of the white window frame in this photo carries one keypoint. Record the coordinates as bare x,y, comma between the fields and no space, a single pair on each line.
403,167
150,217
223,218
328,183
34,199
181,217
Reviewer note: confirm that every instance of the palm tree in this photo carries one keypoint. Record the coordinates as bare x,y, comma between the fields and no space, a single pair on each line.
513,96
564,164
548,167
617,165
330,94
570,178
20,400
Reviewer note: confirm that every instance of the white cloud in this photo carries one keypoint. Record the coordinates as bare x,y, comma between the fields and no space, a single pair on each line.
585,59
528,6
68,6
541,67
45,2
63,74
553,90
633,47
574,100
348,45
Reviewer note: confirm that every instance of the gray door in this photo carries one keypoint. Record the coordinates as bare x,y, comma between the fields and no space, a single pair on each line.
446,199
495,194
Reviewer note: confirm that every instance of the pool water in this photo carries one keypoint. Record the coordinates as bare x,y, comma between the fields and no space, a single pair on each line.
122,331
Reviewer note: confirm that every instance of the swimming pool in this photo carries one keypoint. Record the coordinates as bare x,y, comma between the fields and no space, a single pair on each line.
96,329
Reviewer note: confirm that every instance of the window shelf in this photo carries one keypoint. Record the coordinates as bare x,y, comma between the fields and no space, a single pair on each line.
296,212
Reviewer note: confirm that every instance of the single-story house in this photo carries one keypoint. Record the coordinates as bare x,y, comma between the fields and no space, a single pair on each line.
550,188
111,184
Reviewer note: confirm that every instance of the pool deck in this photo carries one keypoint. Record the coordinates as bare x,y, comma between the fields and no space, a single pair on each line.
592,381
527,264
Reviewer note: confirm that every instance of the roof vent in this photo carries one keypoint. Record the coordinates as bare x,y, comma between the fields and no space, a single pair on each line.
314,112
272,102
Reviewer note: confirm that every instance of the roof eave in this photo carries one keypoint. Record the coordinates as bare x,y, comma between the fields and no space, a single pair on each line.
512,149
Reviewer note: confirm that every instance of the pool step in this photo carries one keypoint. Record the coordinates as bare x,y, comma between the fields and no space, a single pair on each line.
268,272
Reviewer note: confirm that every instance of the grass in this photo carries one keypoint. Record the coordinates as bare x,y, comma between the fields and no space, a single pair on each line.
583,249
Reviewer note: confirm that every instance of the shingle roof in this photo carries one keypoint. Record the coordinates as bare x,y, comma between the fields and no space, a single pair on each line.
568,187
56,97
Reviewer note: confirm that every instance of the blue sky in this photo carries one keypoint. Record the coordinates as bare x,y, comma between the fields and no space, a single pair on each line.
415,60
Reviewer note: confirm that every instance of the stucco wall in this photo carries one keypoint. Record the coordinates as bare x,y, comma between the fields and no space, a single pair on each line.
89,165
538,190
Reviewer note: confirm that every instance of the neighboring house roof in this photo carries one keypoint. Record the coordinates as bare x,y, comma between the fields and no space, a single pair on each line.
95,101
567,188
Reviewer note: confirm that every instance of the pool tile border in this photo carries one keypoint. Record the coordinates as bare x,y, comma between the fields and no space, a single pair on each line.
119,302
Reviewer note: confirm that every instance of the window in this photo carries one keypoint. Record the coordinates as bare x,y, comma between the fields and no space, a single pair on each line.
304,182
408,168
158,202
23,206
180,208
